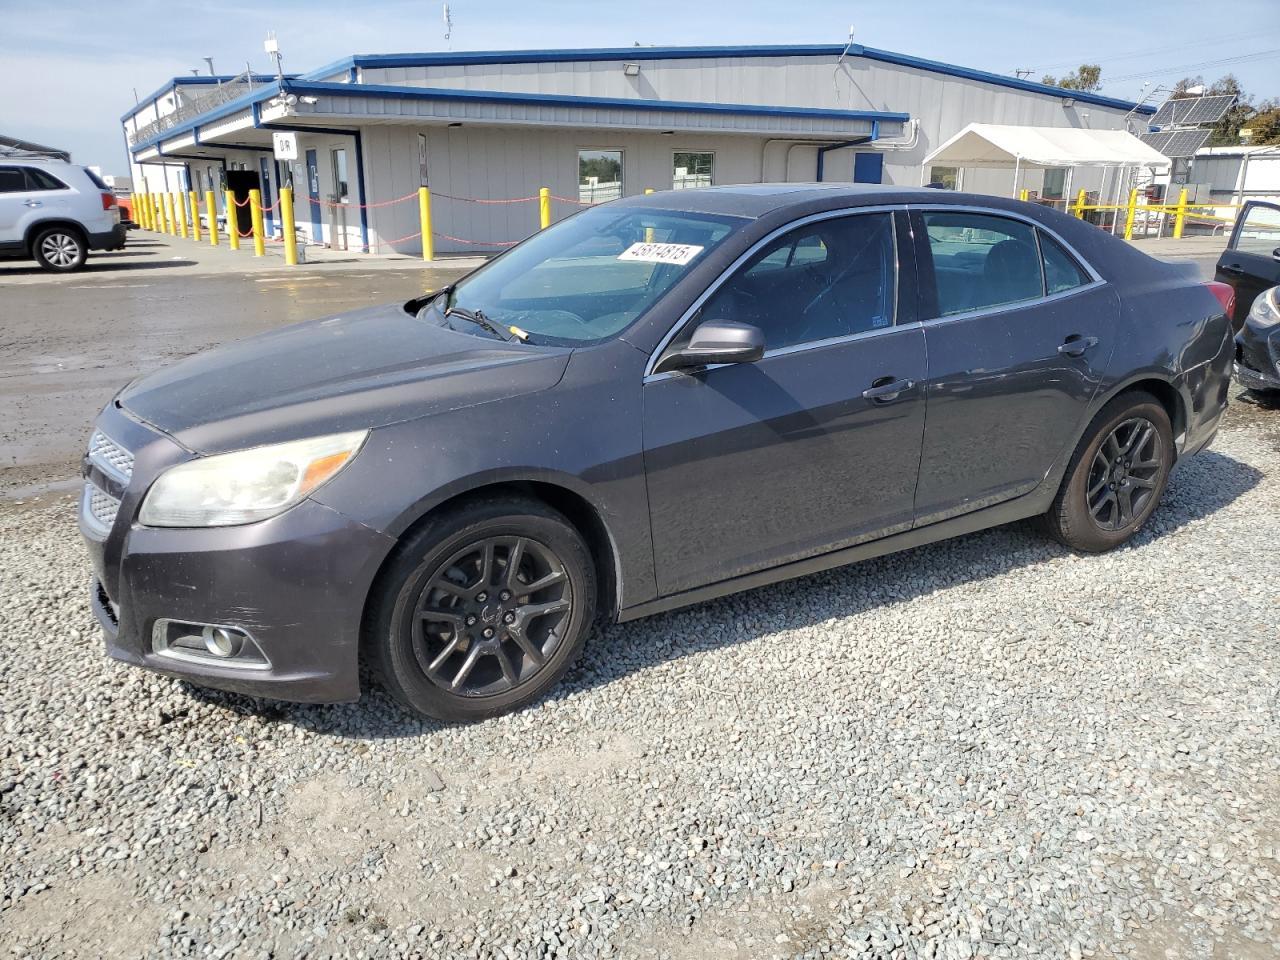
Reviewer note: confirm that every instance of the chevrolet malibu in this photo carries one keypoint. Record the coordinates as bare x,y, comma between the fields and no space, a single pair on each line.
661,400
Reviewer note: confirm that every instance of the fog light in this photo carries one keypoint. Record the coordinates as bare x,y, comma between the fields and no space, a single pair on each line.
222,642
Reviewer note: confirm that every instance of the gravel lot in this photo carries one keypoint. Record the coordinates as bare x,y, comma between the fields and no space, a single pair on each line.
989,747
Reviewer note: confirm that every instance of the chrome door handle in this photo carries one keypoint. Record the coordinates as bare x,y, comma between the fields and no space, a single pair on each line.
1076,346
885,389
32,203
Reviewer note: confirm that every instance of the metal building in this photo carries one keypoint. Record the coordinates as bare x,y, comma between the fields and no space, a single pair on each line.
588,124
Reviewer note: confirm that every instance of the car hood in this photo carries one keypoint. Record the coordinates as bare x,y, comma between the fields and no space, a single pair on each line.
365,368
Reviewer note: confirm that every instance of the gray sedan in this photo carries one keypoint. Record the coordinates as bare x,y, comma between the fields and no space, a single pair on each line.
658,401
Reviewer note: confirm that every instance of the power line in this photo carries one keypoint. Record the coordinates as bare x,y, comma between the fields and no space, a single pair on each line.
1254,34
1165,71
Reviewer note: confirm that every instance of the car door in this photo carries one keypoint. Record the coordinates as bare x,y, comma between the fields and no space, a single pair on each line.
1251,262
1019,331
13,211
815,446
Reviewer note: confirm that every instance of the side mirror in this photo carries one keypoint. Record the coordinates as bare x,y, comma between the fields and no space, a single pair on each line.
717,341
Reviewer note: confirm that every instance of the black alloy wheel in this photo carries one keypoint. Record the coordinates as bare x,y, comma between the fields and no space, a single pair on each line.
481,609
1125,473
492,615
1116,476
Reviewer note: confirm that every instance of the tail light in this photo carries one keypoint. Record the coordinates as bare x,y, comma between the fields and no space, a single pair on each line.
108,201
1226,295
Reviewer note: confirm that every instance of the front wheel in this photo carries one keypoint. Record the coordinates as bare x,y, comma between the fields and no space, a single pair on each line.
60,249
482,610
1116,477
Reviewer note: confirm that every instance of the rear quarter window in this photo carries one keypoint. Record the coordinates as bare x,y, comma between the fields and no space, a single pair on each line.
96,180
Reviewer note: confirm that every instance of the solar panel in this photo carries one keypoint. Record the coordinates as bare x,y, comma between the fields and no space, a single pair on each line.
1177,143
1186,110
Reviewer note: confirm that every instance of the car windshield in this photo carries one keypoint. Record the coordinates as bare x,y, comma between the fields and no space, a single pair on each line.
583,280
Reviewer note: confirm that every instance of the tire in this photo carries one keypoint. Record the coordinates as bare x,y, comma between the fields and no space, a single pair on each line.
60,249
1089,512
432,607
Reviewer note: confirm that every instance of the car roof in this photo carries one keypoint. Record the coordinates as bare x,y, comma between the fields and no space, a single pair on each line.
758,199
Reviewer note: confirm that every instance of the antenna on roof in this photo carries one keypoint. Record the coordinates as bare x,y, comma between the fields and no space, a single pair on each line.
448,22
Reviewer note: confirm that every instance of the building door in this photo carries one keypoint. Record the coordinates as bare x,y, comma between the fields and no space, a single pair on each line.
264,166
313,194
340,197
868,167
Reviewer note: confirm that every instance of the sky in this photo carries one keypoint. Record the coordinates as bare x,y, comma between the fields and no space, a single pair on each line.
70,68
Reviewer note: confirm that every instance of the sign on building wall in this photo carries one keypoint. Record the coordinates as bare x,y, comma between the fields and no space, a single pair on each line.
286,145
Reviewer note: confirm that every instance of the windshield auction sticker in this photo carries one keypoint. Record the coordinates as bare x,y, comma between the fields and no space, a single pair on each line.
677,253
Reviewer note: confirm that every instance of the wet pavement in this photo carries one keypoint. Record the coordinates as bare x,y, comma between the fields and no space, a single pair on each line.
68,343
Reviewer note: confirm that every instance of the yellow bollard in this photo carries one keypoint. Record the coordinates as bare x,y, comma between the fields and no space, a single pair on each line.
211,211
648,231
233,222
193,201
170,224
424,218
255,211
288,227
1023,194
144,211
1080,199
1133,209
648,190
180,201
140,212
1180,219
544,208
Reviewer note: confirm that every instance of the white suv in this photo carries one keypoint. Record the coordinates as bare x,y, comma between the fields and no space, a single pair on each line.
55,212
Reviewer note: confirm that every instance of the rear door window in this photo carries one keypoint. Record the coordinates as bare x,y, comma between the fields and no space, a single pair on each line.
981,261
43,180
1259,231
12,180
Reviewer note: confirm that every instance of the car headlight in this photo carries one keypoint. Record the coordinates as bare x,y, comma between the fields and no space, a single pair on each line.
1266,308
247,485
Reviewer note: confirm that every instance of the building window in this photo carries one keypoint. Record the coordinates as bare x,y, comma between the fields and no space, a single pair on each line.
948,178
599,175
340,193
1055,183
692,170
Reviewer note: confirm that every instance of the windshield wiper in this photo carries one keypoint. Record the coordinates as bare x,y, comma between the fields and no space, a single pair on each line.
479,319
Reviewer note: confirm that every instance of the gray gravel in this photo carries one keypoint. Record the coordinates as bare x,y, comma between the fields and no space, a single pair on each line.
985,748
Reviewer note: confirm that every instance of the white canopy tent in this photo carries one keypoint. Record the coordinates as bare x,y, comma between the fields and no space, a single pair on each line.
991,145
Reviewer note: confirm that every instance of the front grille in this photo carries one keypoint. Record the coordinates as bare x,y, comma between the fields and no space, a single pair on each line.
110,456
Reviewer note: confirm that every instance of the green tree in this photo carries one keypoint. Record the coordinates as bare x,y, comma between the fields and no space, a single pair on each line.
1087,76
1265,123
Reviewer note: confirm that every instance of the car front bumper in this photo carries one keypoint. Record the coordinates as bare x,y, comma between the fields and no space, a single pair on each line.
295,585
1257,359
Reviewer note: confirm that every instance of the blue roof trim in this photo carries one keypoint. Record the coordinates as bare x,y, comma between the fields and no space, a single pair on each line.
393,60
168,86
1030,86
555,99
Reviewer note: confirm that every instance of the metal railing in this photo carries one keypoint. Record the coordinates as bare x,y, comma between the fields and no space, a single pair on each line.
191,103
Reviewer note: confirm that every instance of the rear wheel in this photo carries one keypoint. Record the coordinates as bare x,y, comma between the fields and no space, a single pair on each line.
1116,477
60,249
482,610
